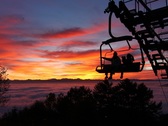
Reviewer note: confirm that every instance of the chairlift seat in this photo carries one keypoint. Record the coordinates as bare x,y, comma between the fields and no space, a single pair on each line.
108,68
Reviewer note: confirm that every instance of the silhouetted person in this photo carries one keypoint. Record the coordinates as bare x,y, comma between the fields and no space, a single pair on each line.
115,62
130,58
126,61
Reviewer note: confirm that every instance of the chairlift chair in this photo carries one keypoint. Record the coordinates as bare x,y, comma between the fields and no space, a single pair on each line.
108,68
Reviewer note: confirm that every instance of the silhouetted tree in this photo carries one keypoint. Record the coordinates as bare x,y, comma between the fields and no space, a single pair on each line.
127,101
77,107
102,93
50,101
4,86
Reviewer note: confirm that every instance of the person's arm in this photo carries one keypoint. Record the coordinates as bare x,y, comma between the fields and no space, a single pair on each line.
109,59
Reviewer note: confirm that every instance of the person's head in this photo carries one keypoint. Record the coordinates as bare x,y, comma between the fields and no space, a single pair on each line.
129,55
115,53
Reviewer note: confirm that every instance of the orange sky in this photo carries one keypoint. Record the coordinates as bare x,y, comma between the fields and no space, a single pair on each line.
43,41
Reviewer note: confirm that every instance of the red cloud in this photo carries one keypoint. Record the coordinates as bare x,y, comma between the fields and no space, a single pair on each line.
78,44
73,32
72,55
10,20
66,33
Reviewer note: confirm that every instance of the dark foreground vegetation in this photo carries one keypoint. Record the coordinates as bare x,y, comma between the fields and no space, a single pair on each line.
4,86
127,103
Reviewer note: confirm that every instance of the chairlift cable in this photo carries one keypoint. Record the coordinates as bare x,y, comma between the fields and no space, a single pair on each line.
163,91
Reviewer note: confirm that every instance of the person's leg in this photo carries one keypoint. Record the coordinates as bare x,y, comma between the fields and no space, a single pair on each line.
111,74
106,76
121,76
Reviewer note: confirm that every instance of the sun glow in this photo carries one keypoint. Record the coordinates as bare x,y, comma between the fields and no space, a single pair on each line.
55,42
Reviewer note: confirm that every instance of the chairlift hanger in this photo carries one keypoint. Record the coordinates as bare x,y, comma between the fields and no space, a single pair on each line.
116,39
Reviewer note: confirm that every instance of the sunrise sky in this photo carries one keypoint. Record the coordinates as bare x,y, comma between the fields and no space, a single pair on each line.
43,39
